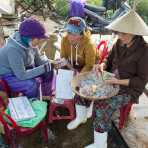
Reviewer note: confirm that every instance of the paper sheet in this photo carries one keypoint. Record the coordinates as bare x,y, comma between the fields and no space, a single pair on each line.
63,87
20,108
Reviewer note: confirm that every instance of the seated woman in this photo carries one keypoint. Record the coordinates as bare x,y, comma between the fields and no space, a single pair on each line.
76,46
77,49
20,60
128,60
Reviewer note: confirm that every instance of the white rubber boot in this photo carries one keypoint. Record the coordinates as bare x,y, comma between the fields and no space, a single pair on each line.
90,146
90,110
100,140
81,117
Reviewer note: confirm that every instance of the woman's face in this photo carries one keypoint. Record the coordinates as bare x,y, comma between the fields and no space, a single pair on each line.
74,38
36,42
125,38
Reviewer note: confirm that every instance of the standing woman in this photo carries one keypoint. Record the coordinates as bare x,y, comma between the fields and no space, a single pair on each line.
20,60
128,60
79,54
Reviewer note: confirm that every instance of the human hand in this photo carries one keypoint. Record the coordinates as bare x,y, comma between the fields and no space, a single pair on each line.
60,63
112,81
44,57
99,68
48,67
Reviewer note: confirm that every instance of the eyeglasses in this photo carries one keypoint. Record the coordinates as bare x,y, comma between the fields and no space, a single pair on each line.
74,22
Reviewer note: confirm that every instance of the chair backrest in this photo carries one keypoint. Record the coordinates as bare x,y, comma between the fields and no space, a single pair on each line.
3,101
4,86
124,112
3,115
4,93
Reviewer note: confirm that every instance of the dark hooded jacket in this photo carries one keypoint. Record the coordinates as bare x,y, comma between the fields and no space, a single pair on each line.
131,63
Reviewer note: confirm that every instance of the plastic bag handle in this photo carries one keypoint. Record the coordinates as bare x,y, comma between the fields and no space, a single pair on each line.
14,125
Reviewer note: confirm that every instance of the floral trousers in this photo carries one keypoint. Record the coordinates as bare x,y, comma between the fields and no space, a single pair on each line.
104,109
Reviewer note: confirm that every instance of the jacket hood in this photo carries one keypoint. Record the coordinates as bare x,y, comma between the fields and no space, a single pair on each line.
15,40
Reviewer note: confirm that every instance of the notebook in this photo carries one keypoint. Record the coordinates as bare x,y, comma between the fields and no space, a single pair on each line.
20,108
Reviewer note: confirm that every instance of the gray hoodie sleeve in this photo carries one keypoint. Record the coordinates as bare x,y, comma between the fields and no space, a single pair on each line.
16,63
39,59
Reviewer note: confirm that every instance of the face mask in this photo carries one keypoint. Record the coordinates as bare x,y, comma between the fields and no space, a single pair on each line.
25,40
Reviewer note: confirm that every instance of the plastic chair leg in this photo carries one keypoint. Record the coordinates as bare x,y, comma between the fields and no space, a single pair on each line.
44,133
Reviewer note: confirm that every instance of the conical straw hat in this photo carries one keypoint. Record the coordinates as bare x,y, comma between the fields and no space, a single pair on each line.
130,23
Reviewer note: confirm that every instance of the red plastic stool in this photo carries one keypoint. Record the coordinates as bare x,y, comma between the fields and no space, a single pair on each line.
124,112
69,105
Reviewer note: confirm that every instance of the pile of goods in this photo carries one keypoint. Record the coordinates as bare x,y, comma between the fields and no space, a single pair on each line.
92,86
